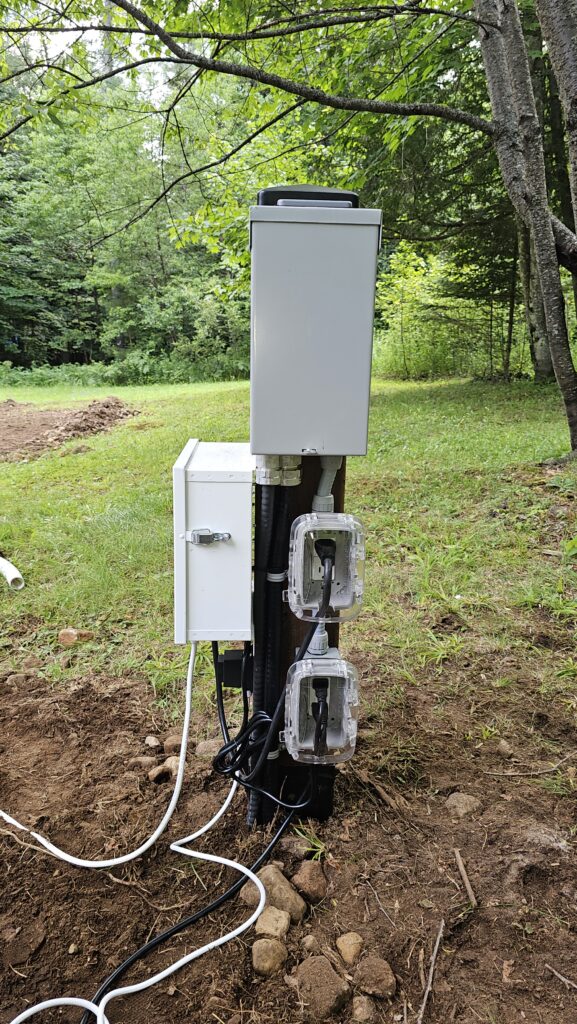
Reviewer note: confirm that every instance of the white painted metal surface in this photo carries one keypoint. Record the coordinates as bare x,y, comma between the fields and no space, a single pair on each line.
212,581
312,303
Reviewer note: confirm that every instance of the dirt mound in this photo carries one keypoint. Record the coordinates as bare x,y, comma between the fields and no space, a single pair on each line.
27,431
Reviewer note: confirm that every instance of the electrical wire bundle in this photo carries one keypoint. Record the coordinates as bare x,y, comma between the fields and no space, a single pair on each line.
244,757
96,1007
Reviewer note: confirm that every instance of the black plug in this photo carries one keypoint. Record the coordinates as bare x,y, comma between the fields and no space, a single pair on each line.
326,549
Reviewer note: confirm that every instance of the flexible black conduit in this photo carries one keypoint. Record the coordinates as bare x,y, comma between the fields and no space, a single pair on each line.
264,526
273,686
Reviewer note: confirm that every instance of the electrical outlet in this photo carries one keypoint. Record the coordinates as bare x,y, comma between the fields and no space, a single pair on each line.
341,681
305,583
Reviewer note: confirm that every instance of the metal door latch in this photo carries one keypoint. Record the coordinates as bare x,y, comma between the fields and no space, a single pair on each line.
205,536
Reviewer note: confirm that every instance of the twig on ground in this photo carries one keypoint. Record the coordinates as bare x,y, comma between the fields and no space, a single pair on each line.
566,981
422,977
405,1012
463,873
540,771
432,965
397,803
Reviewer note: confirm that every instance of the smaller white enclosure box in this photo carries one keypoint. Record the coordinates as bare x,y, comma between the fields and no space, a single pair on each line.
312,303
212,486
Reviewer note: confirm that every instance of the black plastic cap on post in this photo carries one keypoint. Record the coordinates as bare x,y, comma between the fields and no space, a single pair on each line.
308,193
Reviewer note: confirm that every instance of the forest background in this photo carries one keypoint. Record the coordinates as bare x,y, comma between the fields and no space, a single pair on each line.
124,206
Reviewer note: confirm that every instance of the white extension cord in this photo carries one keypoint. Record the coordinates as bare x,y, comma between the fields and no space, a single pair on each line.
79,862
177,847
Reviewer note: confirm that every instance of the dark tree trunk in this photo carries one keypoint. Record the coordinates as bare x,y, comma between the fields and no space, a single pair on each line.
560,33
519,147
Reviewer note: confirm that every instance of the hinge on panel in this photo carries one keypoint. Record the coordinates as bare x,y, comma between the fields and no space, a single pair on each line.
205,536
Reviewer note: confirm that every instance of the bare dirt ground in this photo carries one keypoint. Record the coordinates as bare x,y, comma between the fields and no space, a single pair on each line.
388,855
26,431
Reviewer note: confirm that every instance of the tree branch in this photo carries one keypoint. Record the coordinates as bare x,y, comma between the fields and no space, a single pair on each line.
306,92
298,24
198,170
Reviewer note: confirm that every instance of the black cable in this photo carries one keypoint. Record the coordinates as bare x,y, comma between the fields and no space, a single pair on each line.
187,922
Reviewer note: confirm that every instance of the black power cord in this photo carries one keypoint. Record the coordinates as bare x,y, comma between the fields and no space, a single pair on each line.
260,732
187,922
247,728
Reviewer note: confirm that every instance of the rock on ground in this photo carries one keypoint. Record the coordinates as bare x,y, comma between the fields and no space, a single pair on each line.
461,805
320,988
375,977
310,945
173,743
274,923
268,956
364,1009
279,893
350,946
310,881
153,742
208,748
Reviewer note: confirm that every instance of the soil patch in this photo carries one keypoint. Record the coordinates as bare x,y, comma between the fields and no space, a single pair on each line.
26,431
388,855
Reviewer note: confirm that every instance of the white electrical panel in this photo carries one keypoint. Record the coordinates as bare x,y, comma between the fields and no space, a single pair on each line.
213,542
312,304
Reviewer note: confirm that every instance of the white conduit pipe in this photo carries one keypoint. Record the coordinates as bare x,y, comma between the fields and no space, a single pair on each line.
79,862
11,574
323,500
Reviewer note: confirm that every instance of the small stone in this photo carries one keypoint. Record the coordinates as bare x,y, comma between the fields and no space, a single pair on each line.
279,893
160,774
153,742
17,679
73,948
320,988
172,764
208,748
350,946
364,1009
274,923
294,846
145,763
69,636
310,945
173,743
31,662
268,956
462,805
236,1019
310,881
504,749
375,977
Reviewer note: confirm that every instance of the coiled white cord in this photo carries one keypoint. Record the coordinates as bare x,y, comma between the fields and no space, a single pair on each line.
79,862
176,847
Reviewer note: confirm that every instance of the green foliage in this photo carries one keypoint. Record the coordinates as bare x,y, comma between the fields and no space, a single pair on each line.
425,332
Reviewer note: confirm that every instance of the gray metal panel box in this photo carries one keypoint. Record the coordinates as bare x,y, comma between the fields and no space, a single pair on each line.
312,304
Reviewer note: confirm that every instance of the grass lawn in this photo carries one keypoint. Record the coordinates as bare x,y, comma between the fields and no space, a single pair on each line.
466,655
460,521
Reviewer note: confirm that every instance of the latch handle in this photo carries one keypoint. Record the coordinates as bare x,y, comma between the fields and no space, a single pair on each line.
205,536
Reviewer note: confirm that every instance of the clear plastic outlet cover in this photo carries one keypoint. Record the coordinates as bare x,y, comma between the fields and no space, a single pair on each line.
300,723
306,571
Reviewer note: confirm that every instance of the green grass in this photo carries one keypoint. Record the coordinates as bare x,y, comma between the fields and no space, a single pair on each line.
456,514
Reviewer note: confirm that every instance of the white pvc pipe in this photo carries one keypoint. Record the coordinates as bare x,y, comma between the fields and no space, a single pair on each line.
11,574
323,500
